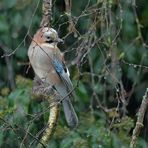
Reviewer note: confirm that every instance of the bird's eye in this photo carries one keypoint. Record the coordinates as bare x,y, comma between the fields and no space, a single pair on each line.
48,37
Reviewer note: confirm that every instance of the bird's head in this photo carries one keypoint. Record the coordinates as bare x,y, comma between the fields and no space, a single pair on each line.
47,35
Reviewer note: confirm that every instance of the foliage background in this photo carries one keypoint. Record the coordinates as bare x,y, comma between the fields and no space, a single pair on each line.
112,36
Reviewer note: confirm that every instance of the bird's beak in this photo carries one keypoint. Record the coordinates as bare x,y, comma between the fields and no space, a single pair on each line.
59,40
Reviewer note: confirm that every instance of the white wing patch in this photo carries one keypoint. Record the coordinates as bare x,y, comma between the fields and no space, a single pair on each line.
68,72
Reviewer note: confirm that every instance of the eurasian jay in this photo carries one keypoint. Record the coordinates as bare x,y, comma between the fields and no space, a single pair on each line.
48,64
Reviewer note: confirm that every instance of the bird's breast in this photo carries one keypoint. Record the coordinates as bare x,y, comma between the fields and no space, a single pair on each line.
41,60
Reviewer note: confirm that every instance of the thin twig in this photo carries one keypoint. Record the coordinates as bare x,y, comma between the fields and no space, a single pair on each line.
20,128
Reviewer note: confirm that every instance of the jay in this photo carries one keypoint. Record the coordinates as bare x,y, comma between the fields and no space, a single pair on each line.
48,64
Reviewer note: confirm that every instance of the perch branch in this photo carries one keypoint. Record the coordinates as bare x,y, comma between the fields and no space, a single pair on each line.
50,126
41,90
139,123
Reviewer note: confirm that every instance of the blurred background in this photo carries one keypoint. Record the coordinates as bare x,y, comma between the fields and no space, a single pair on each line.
106,51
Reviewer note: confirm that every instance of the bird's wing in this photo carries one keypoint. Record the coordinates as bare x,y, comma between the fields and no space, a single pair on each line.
63,73
66,91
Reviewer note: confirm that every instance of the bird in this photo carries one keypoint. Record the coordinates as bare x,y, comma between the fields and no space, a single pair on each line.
49,65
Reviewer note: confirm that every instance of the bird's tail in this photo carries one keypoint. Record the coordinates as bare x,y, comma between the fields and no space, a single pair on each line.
70,114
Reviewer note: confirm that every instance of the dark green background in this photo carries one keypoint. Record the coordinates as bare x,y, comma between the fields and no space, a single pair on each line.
103,72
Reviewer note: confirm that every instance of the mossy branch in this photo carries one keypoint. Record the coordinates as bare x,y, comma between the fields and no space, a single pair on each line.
50,126
42,90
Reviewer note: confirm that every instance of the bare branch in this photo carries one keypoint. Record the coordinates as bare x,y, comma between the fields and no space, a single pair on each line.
68,5
139,123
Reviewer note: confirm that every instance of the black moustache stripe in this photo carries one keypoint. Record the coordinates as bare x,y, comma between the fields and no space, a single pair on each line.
49,42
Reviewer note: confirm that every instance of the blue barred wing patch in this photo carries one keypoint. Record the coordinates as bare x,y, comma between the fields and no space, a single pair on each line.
58,66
